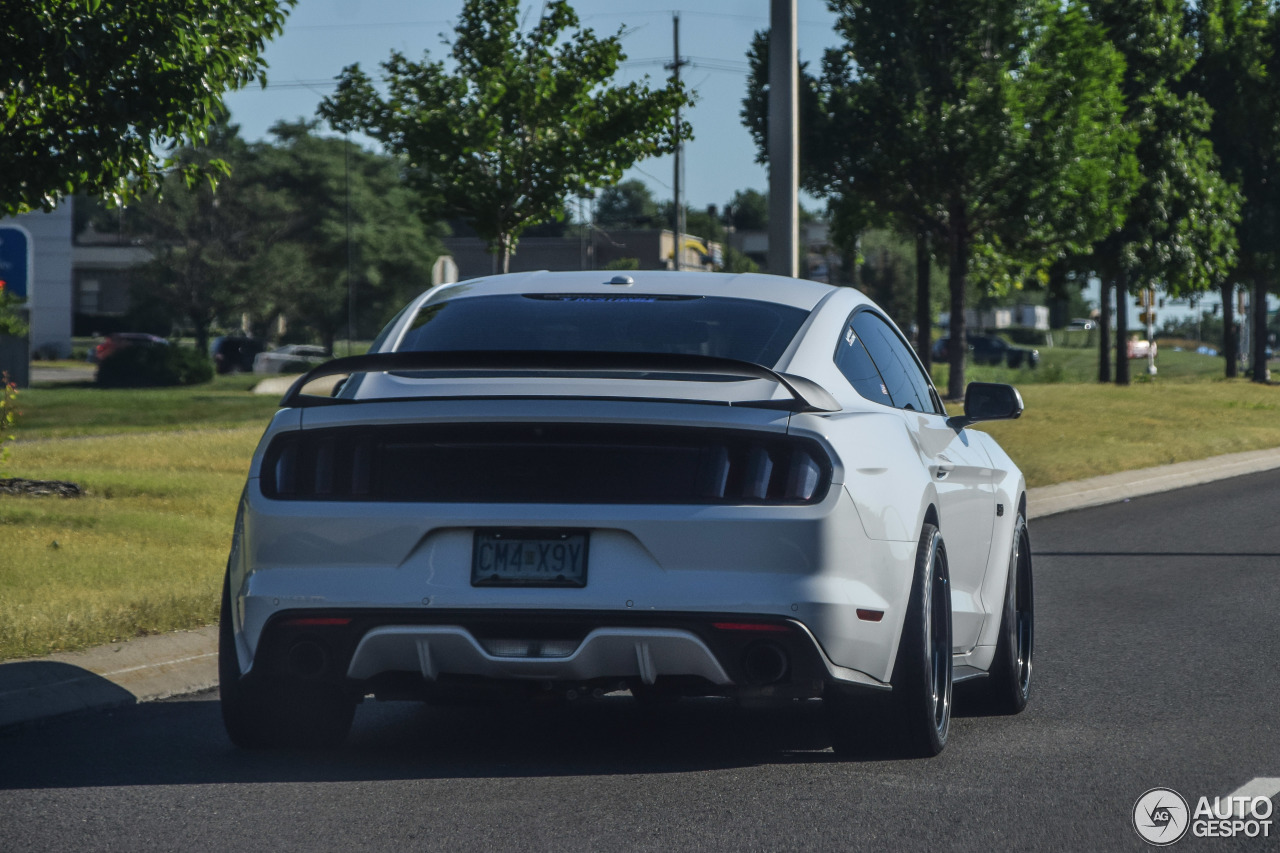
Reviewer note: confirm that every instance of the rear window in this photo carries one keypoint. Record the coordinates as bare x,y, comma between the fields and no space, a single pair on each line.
743,329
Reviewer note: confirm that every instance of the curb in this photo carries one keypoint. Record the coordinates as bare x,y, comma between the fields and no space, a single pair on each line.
157,667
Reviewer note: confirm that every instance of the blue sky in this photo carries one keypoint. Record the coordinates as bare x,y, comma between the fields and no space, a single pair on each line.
323,36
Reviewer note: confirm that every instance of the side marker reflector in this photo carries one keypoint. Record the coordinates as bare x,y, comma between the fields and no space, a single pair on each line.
870,615
760,627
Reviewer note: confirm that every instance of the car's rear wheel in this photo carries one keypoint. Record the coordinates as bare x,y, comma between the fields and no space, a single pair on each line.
262,716
916,716
1007,688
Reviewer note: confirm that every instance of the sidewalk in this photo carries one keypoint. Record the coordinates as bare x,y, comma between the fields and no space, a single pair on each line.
185,662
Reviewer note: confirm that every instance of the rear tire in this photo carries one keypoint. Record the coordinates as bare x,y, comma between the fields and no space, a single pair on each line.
916,716
1007,688
257,716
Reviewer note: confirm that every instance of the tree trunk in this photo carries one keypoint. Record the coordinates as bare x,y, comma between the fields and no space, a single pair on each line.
1122,330
202,336
1104,331
924,318
1230,346
1259,327
957,257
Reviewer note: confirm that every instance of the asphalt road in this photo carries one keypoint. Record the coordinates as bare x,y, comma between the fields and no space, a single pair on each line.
1156,666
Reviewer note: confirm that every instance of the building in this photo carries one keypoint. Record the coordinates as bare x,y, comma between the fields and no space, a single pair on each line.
48,280
647,249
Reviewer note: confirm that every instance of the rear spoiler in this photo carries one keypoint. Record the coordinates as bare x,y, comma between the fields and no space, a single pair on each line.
806,395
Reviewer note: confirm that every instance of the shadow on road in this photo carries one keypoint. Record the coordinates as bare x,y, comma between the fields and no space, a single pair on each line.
183,742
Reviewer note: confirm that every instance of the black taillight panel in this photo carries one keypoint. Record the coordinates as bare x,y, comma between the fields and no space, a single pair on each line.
544,463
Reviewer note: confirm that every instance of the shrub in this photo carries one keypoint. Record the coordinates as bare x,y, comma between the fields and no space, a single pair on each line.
152,366
8,416
11,322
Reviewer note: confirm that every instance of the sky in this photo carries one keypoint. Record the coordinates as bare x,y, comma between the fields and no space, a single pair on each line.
321,37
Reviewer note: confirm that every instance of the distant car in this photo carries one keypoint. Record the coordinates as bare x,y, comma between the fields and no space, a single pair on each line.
120,340
235,353
290,358
1081,324
1141,349
988,349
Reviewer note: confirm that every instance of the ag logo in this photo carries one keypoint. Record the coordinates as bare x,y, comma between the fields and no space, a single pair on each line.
1161,816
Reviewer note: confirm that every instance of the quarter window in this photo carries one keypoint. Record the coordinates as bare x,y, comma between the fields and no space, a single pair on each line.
857,367
900,374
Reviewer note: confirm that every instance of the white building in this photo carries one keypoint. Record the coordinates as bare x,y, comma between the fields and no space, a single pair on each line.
49,280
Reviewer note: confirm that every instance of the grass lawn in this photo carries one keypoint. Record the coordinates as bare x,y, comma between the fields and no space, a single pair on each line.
57,410
143,551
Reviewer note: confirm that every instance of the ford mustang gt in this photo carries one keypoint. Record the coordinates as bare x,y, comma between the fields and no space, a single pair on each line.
678,484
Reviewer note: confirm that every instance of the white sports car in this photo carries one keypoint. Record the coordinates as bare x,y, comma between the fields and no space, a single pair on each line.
681,484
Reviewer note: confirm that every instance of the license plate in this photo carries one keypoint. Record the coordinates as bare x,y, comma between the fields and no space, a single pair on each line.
529,557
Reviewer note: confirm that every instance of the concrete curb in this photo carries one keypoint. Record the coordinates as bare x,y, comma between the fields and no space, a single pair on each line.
1111,488
158,667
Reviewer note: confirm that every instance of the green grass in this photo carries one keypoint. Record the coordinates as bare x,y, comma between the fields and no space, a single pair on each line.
143,551
79,409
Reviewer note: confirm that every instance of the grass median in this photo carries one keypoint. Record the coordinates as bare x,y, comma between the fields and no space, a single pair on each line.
144,549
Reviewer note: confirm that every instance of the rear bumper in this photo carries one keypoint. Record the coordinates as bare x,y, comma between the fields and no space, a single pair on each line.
811,564
705,654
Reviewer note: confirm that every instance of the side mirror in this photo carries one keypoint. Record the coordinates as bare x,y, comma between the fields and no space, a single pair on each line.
988,401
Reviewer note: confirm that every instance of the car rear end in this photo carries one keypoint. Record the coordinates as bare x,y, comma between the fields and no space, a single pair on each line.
427,547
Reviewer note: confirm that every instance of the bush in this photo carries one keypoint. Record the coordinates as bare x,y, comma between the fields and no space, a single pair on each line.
153,366
11,321
1024,336
8,415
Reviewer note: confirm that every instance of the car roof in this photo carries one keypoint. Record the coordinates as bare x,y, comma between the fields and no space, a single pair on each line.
795,292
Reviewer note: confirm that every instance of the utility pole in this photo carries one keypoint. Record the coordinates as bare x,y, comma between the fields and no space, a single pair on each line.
784,141
677,224
351,283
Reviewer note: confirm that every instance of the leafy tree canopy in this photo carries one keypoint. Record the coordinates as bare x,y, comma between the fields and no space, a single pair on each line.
993,125
272,240
91,90
524,120
629,204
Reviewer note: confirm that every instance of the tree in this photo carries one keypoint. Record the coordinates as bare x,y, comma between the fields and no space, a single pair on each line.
1178,231
202,241
273,239
90,91
323,185
1235,73
991,127
748,211
527,120
629,204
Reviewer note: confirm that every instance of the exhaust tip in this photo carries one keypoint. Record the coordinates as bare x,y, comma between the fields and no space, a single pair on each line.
764,663
307,659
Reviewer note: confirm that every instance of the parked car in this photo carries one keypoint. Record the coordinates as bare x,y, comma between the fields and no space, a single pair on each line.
1141,349
235,353
119,340
1081,324
988,349
290,358
690,484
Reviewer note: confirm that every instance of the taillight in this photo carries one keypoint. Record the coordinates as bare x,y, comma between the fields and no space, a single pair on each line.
545,463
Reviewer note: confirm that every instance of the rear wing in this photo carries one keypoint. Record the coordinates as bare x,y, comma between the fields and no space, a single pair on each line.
806,395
